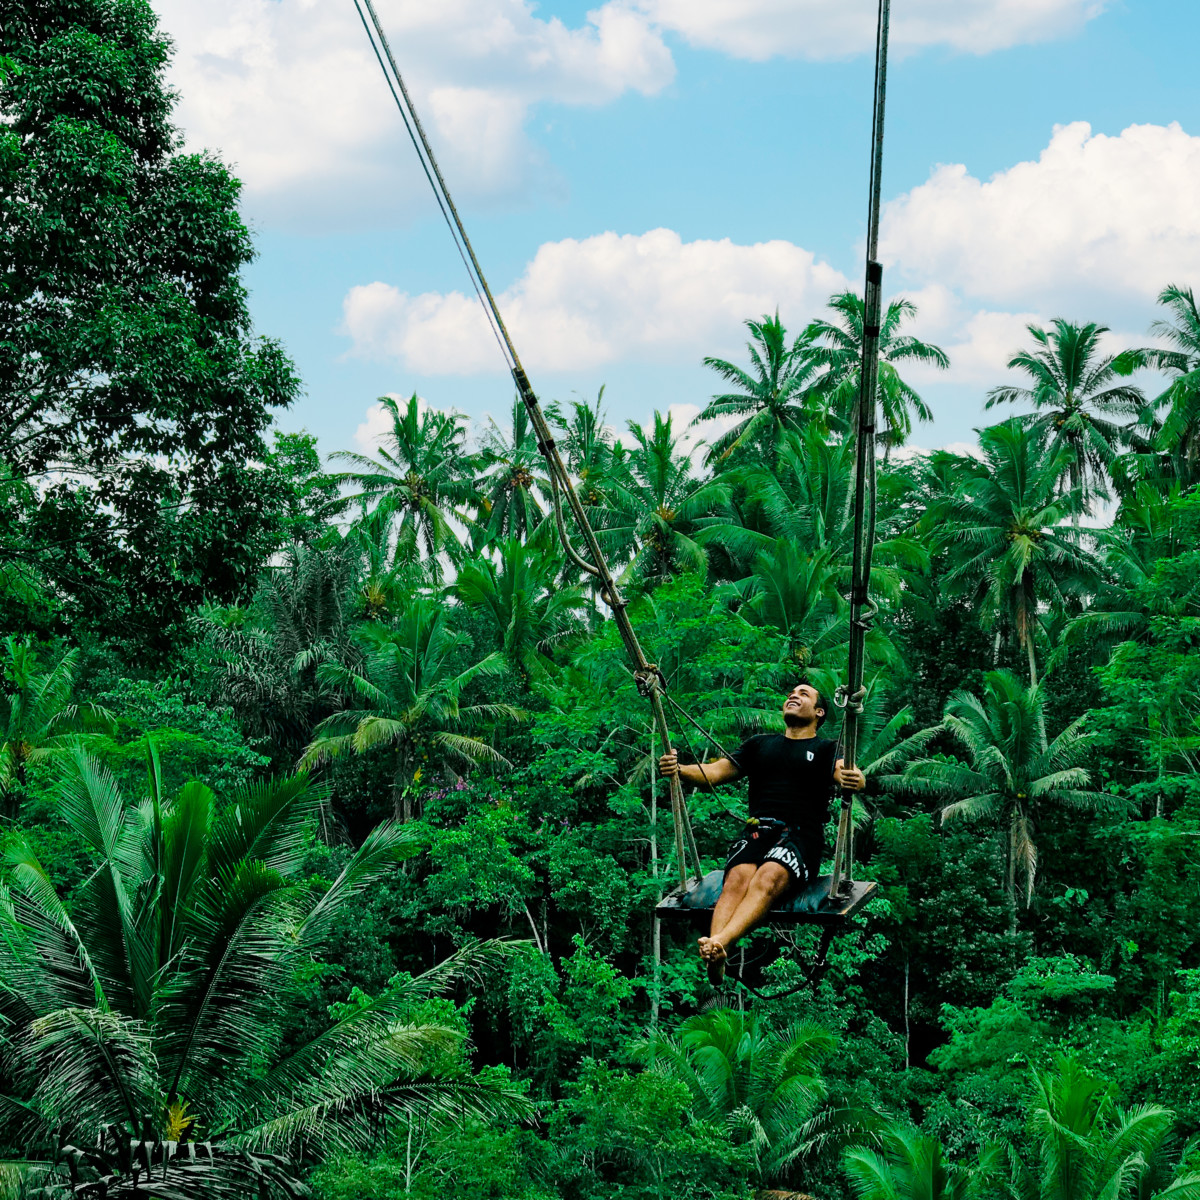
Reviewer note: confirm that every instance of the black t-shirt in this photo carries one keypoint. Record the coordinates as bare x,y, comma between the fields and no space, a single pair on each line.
791,780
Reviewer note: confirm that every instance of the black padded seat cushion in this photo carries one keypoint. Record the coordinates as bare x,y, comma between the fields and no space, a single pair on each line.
810,905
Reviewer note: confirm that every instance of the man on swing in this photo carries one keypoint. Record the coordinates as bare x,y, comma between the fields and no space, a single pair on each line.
793,777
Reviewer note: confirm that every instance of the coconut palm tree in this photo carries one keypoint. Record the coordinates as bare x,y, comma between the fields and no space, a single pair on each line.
1004,530
663,505
763,1085
1148,526
600,466
406,700
1075,391
587,445
1177,434
387,562
514,473
1010,775
913,1166
773,397
805,499
37,714
796,593
837,352
301,616
422,476
150,1007
1088,1148
516,591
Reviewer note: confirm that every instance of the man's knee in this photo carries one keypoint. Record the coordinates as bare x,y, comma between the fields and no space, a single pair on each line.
772,879
739,878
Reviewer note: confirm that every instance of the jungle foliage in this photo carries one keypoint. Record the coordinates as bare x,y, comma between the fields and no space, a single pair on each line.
331,829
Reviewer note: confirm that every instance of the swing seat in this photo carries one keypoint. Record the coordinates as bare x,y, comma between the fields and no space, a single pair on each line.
809,906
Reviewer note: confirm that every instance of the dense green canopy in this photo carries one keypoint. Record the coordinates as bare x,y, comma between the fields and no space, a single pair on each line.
331,827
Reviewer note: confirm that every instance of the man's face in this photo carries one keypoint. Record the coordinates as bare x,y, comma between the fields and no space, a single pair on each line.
800,705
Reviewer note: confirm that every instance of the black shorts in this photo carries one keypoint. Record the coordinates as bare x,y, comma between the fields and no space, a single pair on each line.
771,841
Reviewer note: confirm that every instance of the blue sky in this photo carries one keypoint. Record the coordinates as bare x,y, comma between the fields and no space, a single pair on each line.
736,128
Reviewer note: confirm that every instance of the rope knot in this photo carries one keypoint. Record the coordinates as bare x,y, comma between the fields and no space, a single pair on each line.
843,699
650,680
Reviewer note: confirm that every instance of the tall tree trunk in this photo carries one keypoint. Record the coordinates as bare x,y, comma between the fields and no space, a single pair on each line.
1076,482
1029,651
906,1029
1011,880
402,808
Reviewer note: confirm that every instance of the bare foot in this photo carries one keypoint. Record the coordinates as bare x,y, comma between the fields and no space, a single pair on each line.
705,945
716,962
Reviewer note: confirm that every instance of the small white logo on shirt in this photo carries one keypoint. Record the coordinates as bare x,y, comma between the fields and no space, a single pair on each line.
810,756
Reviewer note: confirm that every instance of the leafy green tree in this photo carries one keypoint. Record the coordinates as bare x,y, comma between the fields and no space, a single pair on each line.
193,740
1076,391
1054,1005
134,398
421,476
775,396
1003,530
636,1137
427,1160
37,714
310,493
1011,774
764,1085
1173,1067
913,1166
406,700
1153,678
517,592
837,351
153,1003
1087,1148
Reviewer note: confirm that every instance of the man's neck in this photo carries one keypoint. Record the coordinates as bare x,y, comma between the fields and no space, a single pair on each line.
808,730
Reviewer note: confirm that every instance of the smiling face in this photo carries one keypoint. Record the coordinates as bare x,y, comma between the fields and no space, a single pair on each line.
802,706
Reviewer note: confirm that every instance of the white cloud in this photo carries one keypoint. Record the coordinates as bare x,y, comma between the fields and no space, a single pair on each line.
583,304
1094,213
816,29
289,92
979,342
376,425
962,449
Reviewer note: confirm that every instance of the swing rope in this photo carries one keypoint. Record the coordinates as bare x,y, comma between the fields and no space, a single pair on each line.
862,610
649,679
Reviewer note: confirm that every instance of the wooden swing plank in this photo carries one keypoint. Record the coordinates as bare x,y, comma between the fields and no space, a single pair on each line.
812,906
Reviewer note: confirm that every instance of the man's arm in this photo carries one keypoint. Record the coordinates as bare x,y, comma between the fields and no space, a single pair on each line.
724,770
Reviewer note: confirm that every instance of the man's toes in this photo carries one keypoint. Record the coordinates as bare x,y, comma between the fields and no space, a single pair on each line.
716,951
703,944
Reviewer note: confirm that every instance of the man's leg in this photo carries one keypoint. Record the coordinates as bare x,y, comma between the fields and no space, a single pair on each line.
770,881
737,882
